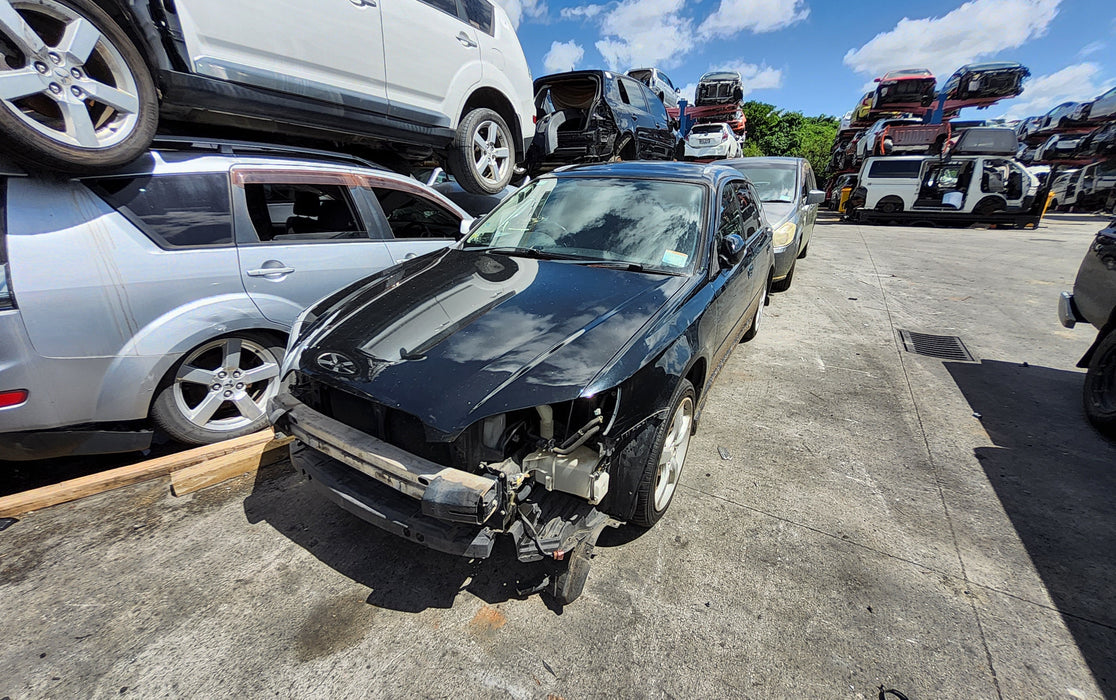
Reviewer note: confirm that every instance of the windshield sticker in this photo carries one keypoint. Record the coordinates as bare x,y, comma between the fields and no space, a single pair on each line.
675,259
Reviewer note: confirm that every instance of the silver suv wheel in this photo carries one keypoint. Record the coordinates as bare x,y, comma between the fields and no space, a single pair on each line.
220,389
482,157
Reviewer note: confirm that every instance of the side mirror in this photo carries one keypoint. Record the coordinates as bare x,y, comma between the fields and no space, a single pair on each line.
733,248
815,197
467,225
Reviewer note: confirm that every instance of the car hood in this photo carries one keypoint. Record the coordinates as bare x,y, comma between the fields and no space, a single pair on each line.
779,213
459,335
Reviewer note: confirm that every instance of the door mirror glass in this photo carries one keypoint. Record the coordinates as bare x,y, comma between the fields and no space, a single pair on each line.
733,248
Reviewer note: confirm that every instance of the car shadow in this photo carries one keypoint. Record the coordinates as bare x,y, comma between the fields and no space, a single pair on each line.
1056,479
400,574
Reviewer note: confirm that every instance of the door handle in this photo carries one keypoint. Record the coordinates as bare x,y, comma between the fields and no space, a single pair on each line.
266,271
364,3
465,40
408,256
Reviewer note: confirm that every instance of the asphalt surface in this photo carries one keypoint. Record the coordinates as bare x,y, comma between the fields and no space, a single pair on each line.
944,528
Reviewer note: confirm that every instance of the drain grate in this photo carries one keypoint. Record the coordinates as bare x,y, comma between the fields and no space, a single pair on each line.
947,347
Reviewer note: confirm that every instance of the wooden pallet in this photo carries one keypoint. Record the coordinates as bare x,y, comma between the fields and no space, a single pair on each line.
189,471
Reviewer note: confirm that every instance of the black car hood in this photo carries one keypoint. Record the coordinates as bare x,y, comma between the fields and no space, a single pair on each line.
459,335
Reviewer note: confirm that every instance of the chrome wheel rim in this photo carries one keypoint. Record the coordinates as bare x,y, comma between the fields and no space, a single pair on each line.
673,454
63,78
759,310
491,154
224,385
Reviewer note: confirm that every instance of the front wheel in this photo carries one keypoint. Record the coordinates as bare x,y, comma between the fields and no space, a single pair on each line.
663,467
482,158
75,94
220,389
1100,387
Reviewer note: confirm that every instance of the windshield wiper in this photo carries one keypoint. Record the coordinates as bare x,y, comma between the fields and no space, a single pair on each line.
527,252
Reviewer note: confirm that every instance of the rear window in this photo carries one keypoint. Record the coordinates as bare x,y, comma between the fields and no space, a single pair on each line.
706,129
643,76
479,13
176,211
891,168
576,93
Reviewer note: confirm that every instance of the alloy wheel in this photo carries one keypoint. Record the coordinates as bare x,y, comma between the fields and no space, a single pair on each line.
61,76
224,385
491,154
673,454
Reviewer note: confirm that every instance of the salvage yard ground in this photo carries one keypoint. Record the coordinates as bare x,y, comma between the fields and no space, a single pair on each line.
940,527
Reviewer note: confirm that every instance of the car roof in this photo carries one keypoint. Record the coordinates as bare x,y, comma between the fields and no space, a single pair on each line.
774,160
657,170
720,75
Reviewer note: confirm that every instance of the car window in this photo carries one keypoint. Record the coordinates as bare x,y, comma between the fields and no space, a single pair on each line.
447,6
746,203
891,168
653,223
175,211
655,107
730,221
667,80
479,13
635,94
412,216
291,212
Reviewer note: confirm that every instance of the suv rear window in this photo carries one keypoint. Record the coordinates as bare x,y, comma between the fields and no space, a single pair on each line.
479,13
891,168
176,211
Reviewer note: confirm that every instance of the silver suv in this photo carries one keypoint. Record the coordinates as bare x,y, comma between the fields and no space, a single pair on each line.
85,83
162,293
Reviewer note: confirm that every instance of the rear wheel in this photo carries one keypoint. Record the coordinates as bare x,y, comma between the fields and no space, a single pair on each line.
989,205
75,94
220,389
890,205
482,158
1100,387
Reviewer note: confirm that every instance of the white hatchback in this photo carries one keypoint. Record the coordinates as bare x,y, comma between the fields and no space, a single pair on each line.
711,142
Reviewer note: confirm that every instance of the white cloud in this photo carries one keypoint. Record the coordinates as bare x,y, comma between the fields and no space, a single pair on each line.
753,77
519,9
734,16
638,33
1075,83
975,29
582,11
563,56
688,92
1091,48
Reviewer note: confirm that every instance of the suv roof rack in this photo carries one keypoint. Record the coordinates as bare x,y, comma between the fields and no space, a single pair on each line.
233,147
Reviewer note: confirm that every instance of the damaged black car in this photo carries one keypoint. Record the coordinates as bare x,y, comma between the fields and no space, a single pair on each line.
541,378
592,116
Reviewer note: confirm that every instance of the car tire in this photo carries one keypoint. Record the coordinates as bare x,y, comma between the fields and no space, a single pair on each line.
1053,205
785,283
754,327
889,205
104,80
482,157
805,249
1099,392
989,205
223,407
659,481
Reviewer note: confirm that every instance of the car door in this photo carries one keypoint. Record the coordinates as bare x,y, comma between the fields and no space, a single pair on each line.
732,285
809,212
302,234
418,222
433,57
331,51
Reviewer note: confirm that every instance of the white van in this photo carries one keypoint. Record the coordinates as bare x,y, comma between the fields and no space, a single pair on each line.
960,184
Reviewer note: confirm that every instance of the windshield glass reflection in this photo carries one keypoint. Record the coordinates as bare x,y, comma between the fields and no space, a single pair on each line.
651,223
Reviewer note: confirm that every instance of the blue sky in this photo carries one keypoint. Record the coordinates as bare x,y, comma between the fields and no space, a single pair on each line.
819,57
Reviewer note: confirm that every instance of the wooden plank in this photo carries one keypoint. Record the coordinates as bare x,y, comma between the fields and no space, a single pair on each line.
219,469
19,503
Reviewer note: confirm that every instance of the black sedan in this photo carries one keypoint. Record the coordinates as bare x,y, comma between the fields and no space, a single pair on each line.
539,377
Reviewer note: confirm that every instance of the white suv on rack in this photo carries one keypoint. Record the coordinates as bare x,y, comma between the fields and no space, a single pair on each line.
84,84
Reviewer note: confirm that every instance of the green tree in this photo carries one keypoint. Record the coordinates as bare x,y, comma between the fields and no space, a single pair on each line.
775,132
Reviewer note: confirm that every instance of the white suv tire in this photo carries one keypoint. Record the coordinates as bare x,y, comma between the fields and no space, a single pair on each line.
482,157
